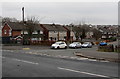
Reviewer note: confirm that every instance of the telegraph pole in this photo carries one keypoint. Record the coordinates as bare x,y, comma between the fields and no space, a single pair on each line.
23,14
23,23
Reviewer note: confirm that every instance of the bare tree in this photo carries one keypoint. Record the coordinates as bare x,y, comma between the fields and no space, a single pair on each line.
80,31
30,27
97,34
77,31
7,19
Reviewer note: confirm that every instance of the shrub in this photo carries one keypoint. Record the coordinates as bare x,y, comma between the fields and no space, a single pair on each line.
117,48
108,48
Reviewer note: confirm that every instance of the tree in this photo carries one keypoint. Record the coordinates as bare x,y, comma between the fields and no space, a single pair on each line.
80,31
77,31
83,34
7,19
97,34
30,27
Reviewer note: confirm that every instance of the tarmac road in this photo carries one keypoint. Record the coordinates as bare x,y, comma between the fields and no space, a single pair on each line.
27,65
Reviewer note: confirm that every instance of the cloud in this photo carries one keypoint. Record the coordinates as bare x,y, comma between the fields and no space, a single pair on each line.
65,12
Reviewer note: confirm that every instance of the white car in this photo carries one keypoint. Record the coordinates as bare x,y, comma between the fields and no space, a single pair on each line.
75,45
87,45
58,45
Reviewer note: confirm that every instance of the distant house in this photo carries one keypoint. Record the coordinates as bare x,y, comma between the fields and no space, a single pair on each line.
89,34
54,32
70,33
107,32
16,32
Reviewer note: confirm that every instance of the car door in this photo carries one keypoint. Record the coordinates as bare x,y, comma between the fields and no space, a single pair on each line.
62,45
78,45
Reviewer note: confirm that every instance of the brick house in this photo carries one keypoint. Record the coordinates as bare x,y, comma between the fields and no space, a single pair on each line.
54,32
70,33
108,32
15,31
11,31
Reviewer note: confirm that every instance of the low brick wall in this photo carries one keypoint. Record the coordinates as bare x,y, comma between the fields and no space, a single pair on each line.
107,48
117,49
46,43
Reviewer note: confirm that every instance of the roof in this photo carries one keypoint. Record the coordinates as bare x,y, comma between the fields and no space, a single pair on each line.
16,25
21,26
54,27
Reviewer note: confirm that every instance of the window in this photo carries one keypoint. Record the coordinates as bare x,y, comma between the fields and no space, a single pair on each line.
41,32
40,39
21,32
5,32
9,32
25,32
35,32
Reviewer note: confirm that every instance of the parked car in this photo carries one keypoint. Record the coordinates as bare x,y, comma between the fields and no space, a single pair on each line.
103,44
87,45
59,44
75,45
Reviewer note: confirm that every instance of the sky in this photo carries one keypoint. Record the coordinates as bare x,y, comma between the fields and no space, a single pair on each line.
64,12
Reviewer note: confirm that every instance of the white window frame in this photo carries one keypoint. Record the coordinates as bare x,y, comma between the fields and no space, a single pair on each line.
25,32
41,32
10,33
35,32
5,32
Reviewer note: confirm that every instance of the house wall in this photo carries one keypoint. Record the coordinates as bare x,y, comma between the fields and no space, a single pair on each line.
62,35
7,28
89,34
53,34
16,33
57,35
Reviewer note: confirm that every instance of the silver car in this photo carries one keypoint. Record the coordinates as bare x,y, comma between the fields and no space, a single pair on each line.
87,45
75,45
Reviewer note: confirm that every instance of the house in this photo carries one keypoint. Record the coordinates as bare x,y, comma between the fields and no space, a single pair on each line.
17,32
108,32
54,32
70,33
11,31
89,34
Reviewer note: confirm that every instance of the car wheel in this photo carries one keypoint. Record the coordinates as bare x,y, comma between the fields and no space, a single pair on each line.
58,47
75,47
65,47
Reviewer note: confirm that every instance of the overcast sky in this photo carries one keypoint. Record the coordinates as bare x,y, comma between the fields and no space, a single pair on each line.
64,12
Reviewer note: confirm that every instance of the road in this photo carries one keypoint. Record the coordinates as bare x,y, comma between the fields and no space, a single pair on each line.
27,65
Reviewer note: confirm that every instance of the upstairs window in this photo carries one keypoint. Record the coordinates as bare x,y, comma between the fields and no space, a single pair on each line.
5,32
9,32
41,32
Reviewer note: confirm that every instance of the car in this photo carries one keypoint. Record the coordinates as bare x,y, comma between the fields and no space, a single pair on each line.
58,45
75,45
102,43
87,45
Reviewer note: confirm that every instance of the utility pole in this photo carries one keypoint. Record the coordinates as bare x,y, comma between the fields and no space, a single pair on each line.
23,23
23,14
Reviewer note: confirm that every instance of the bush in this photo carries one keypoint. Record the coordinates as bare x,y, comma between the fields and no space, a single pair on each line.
113,38
96,43
117,48
108,48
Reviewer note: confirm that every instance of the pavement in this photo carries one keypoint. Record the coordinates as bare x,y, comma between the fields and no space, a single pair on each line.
90,53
